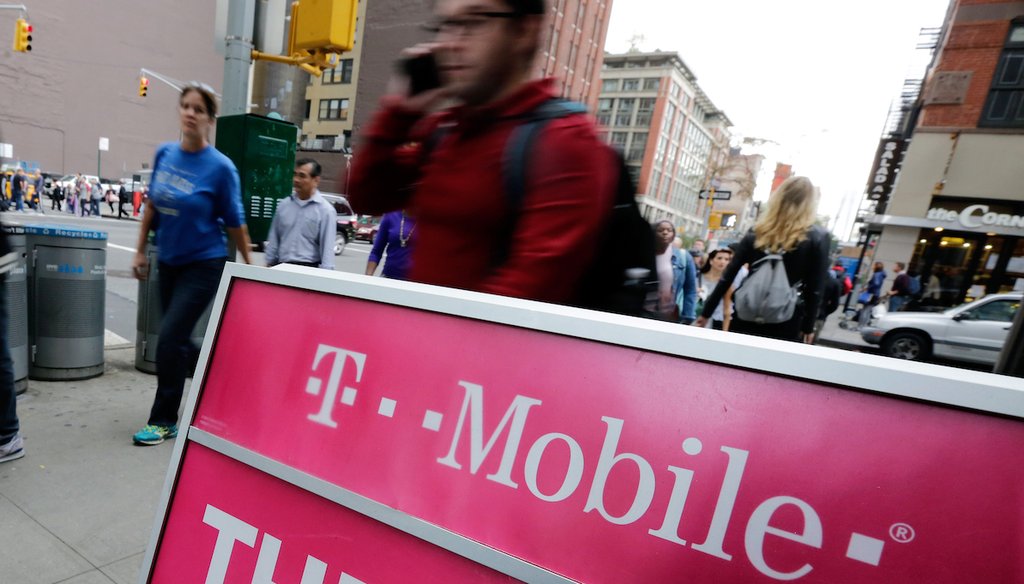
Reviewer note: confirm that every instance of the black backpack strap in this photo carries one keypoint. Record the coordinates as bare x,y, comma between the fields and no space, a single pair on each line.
513,167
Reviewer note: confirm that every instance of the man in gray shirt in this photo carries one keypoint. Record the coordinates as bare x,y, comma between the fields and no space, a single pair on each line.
305,224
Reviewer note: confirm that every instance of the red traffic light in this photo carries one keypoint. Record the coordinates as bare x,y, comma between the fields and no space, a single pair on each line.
28,28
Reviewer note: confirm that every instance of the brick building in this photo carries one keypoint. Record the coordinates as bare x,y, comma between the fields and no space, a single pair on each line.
674,138
956,212
575,47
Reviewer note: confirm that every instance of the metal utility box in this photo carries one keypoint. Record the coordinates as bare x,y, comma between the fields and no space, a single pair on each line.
263,150
67,283
17,307
150,312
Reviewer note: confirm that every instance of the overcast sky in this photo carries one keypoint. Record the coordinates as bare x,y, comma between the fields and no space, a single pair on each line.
817,76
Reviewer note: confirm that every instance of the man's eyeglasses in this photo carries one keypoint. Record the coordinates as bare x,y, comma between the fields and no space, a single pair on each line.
466,25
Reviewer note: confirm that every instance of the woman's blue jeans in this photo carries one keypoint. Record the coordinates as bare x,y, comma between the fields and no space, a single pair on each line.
185,292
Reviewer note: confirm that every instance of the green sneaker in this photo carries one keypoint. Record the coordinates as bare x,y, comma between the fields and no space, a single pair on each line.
151,435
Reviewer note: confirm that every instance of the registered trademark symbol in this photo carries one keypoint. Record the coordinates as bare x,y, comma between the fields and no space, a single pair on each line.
901,533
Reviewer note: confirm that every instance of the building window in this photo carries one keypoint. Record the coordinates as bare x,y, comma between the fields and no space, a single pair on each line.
651,84
644,111
609,85
605,106
333,109
342,73
309,106
637,147
630,85
624,115
619,139
1005,105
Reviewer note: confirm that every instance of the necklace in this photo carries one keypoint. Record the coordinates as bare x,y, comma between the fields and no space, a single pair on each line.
402,237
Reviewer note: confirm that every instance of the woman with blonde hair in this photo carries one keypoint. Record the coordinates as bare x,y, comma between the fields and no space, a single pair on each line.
787,227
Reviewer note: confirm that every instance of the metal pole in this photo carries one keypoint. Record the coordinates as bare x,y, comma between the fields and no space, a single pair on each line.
237,57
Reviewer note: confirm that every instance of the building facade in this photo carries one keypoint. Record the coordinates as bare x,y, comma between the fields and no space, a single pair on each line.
574,48
732,218
80,82
956,212
675,141
331,98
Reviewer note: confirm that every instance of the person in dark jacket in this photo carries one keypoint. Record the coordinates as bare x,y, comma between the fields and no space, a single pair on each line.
788,226
830,296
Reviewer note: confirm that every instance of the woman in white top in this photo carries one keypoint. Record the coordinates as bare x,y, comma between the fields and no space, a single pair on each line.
710,273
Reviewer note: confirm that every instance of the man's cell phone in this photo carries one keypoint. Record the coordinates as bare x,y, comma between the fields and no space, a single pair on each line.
422,72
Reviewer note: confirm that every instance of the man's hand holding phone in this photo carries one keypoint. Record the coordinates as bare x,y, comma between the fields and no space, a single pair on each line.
417,85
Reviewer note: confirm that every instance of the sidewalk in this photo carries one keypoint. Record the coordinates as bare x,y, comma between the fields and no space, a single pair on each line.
833,336
79,507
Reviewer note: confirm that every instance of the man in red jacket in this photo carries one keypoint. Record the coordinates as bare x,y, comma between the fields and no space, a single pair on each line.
454,187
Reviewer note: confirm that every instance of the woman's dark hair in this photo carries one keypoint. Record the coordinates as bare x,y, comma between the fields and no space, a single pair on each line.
314,170
707,263
209,99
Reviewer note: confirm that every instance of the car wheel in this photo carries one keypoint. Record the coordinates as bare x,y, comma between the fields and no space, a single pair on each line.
907,345
340,241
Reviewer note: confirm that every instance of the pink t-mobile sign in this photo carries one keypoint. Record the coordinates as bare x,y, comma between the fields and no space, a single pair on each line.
589,461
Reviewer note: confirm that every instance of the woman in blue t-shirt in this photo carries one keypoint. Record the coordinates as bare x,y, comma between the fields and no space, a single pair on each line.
194,196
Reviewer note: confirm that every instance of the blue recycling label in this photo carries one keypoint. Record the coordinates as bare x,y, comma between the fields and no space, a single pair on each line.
64,231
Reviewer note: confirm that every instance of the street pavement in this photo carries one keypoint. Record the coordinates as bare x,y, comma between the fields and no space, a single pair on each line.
80,507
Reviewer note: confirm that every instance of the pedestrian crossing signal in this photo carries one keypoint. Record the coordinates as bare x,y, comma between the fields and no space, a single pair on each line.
22,36
143,86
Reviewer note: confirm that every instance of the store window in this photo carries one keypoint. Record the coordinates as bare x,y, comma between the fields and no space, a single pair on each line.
960,266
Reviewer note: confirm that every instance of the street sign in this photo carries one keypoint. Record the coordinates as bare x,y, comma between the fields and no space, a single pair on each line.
104,144
719,195
480,438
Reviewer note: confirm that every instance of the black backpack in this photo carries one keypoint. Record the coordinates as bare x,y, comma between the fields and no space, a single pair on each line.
622,277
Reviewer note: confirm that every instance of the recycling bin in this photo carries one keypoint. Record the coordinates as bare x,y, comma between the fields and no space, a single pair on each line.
17,307
67,280
147,321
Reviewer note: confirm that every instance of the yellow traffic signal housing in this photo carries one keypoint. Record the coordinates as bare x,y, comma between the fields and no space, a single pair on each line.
22,36
143,86
329,25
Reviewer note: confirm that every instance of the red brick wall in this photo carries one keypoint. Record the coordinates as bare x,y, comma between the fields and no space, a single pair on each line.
589,41
972,46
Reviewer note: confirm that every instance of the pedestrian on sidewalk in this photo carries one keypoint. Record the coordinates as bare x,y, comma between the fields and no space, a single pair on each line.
788,226
305,224
468,235
708,278
872,294
900,293
57,198
394,242
122,200
18,190
95,197
677,277
11,444
195,190
111,197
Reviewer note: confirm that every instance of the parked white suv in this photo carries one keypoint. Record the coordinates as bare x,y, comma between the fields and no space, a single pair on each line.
974,332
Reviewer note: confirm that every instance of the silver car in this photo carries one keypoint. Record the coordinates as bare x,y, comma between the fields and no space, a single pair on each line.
973,332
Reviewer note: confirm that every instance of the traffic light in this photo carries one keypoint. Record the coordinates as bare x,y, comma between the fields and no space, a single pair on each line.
22,36
328,25
143,86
